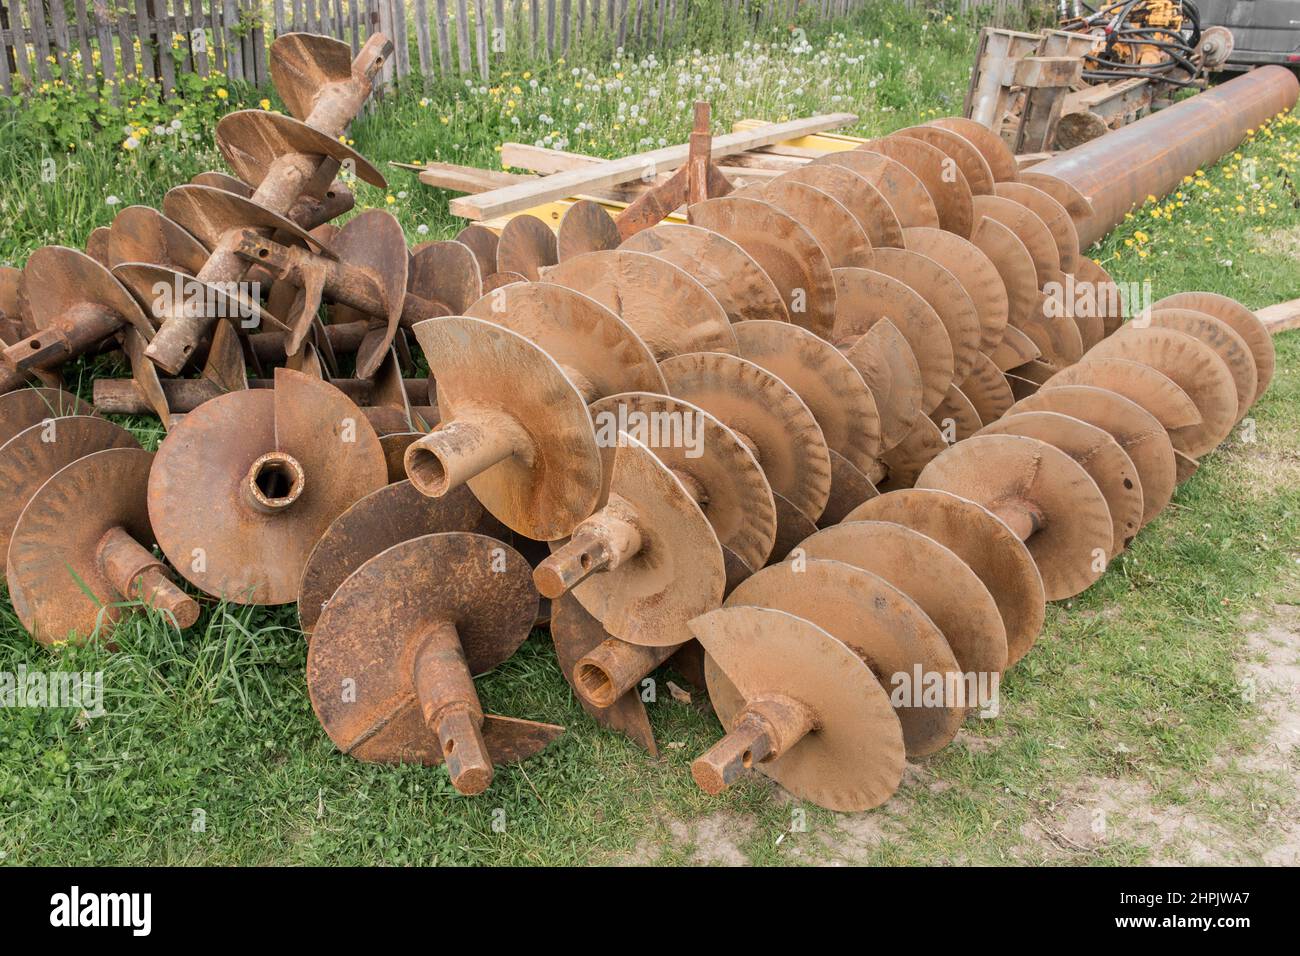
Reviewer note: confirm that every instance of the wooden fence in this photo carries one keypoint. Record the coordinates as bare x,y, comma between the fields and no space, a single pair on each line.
90,41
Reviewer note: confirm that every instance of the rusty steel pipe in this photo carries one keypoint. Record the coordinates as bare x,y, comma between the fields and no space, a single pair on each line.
1117,172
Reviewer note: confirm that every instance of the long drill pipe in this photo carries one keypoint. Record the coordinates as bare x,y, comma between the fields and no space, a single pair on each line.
1150,157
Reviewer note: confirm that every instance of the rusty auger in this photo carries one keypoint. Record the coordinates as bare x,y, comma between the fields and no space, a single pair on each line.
394,653
840,434
282,158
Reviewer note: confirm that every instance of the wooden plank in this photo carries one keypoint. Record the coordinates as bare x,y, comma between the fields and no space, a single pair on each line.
622,21
166,65
388,71
423,43
468,179
499,28
550,27
246,43
340,22
278,7
6,80
260,63
534,12
481,38
566,13
444,42
354,20
146,39
22,55
234,47
60,39
401,39
462,37
180,29
1282,317
40,37
198,38
83,44
500,202
217,39
546,161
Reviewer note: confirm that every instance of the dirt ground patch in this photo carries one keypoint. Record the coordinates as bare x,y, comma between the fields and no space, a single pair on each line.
1281,241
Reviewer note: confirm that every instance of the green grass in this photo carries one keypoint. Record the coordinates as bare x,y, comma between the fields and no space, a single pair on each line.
1137,680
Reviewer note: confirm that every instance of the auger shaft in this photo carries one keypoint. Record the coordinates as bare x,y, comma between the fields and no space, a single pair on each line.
135,573
767,728
121,396
341,283
614,667
449,701
179,335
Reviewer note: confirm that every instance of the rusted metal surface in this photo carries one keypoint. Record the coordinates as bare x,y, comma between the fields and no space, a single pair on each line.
941,584
1136,430
29,406
1150,157
767,415
836,230
1001,161
1241,320
889,368
862,200
586,227
284,157
244,485
1045,497
80,551
664,305
984,543
866,296
898,185
80,306
142,234
945,295
378,521
1097,452
525,246
1230,347
599,352
940,177
717,468
799,706
1193,367
647,562
411,661
576,633
446,273
784,249
976,273
34,454
874,619
514,427
825,380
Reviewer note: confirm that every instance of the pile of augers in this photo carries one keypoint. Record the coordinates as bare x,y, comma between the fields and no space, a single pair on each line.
850,426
